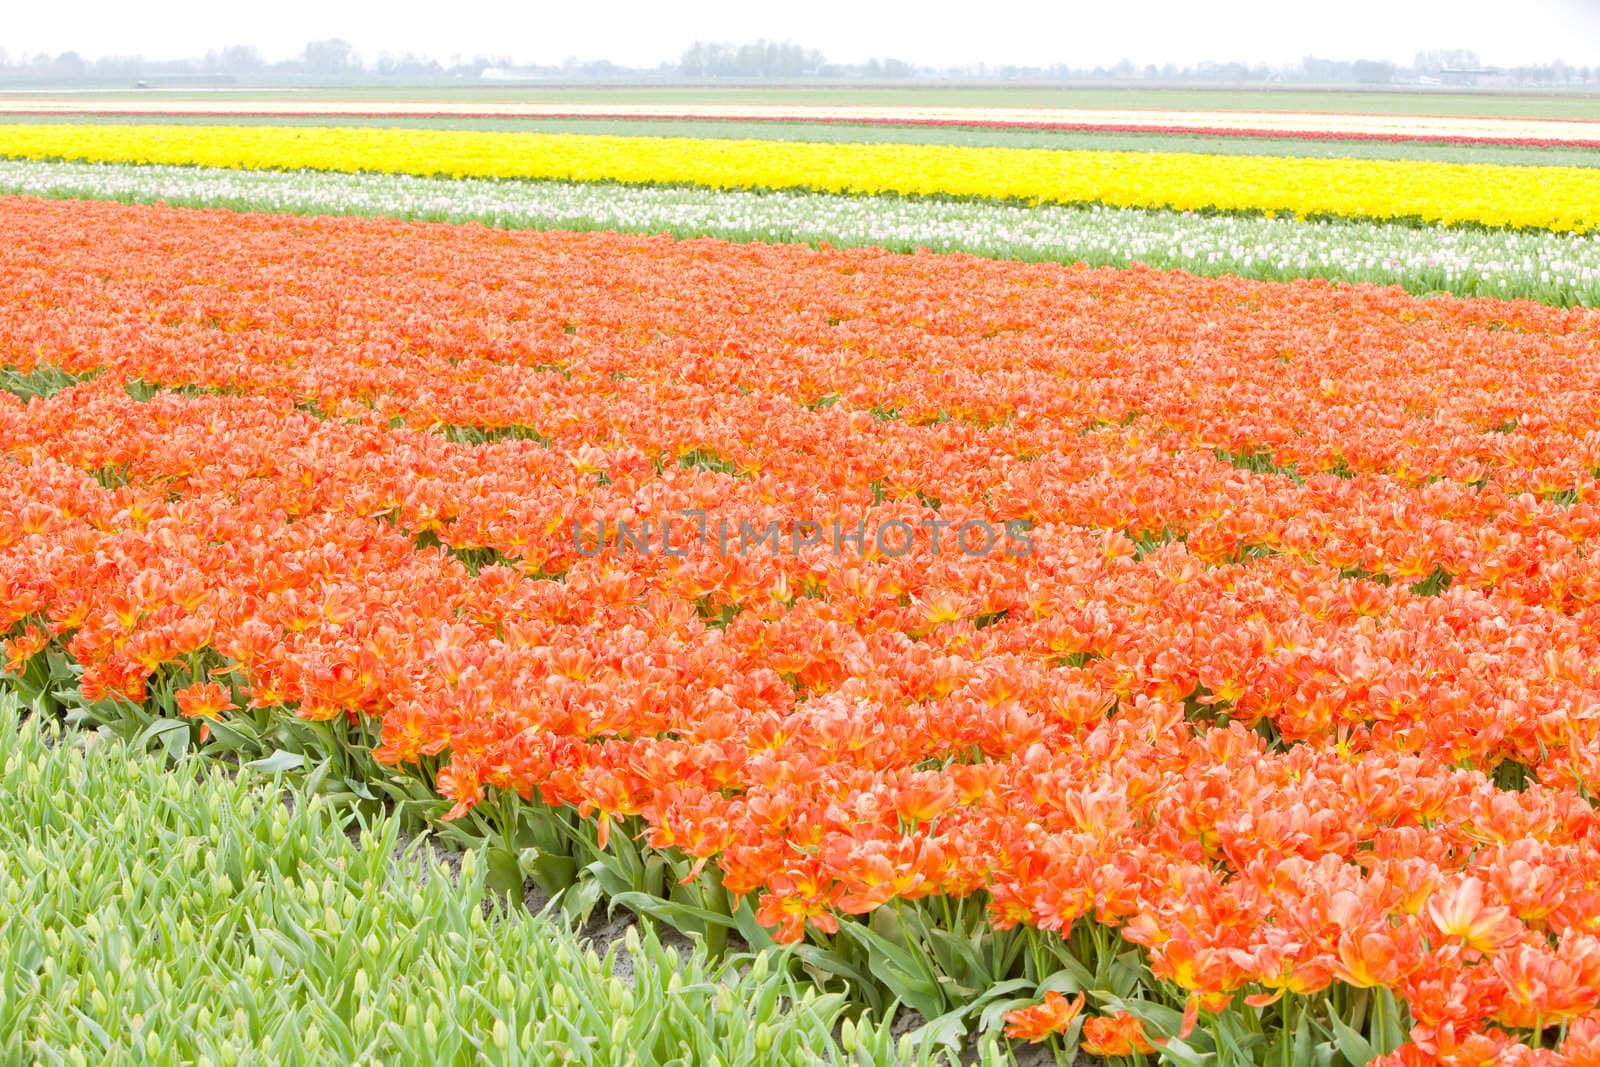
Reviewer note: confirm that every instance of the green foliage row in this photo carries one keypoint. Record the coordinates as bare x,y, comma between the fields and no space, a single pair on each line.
167,914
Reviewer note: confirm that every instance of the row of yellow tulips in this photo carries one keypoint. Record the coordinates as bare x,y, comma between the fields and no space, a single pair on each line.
1554,198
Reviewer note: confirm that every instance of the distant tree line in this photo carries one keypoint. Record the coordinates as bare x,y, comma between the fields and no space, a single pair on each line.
330,59
770,59
334,60
1461,67
764,59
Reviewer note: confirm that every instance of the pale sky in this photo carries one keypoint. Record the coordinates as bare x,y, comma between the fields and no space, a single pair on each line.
1080,33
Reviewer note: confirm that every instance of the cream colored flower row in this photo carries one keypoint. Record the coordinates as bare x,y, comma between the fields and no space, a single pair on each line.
1310,123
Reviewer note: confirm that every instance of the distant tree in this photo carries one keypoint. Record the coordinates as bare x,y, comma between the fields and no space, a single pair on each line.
1372,72
69,65
330,56
1314,69
762,59
409,65
1436,59
474,67
118,68
693,62
241,59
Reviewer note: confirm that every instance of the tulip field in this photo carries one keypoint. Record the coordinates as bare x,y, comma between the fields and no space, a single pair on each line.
1042,603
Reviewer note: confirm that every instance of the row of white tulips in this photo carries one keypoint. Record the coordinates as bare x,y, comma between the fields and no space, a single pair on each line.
1553,268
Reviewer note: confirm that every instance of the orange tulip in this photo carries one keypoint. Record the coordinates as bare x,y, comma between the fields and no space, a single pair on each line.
203,700
1121,1034
1050,1016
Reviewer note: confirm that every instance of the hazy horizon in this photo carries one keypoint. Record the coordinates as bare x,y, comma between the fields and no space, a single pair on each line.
635,34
